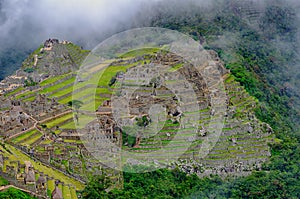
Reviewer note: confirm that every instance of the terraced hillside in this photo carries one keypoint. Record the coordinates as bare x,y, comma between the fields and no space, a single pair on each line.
55,58
54,114
13,163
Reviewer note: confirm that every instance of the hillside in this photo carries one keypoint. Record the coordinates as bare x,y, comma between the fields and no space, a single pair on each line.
42,129
48,108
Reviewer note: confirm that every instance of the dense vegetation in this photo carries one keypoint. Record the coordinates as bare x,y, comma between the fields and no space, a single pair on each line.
14,193
175,184
257,62
3,181
259,56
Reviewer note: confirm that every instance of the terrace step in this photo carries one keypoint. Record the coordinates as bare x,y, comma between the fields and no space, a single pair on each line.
32,139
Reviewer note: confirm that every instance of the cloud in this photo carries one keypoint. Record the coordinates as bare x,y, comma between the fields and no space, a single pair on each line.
29,22
25,24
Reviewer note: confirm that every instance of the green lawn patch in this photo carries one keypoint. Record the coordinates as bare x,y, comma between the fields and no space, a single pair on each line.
32,139
14,91
58,86
23,136
52,80
59,120
23,95
140,52
14,193
3,181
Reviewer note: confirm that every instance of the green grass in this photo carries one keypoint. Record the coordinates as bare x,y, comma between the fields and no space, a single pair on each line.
140,52
33,139
14,91
52,80
59,120
46,142
70,125
73,141
73,193
17,155
23,136
58,86
30,99
57,132
103,81
23,95
83,93
110,72
176,67
61,93
51,185
15,193
65,100
3,181
66,192
100,80
92,106
83,121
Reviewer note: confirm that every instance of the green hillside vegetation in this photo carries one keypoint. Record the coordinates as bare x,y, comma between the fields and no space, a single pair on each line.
15,193
3,181
250,60
104,87
175,184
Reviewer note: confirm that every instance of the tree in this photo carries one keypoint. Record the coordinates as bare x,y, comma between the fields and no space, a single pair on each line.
75,104
96,188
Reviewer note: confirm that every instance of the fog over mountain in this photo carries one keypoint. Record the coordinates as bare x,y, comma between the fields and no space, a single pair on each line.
28,22
25,24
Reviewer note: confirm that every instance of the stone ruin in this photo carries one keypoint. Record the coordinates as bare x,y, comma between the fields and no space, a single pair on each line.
43,107
246,159
14,120
24,177
48,44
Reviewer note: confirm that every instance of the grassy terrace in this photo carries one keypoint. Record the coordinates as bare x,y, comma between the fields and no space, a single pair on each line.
73,193
52,80
18,155
58,86
58,120
91,106
19,89
66,192
83,121
46,142
176,67
3,181
98,80
66,91
29,99
74,141
51,185
140,52
86,95
24,136
32,139
86,92
24,95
